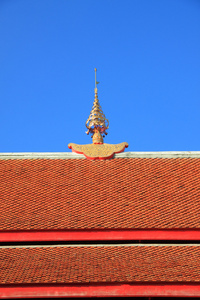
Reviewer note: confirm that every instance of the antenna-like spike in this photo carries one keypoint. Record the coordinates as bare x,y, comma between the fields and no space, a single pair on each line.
95,70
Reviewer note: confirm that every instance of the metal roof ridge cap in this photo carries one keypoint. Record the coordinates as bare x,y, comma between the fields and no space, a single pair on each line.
159,154
72,155
40,155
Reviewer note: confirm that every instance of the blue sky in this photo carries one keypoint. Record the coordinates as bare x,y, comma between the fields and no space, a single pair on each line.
147,55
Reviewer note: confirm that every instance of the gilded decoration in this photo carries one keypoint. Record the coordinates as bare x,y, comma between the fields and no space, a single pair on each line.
97,126
98,151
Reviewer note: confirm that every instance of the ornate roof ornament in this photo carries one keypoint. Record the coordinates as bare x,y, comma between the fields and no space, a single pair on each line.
97,124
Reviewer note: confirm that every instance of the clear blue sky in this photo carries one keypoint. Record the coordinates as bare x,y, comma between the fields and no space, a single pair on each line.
147,55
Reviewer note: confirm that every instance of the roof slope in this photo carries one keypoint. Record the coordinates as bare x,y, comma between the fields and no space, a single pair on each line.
123,193
100,264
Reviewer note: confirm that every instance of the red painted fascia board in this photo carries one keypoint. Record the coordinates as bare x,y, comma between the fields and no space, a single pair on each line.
99,235
104,290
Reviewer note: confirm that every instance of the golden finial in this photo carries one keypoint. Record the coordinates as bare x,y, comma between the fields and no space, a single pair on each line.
97,122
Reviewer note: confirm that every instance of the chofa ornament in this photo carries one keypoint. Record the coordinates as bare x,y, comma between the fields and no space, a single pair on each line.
97,124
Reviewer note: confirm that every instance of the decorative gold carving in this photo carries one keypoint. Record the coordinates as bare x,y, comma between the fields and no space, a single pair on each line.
97,124
97,137
101,151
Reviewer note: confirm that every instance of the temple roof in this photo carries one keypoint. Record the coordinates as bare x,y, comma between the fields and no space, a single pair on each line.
101,263
144,196
45,192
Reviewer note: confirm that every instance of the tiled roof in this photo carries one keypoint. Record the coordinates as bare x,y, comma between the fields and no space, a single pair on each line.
90,264
124,193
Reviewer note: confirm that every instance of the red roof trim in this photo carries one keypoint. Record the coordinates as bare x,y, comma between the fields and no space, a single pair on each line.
104,290
95,235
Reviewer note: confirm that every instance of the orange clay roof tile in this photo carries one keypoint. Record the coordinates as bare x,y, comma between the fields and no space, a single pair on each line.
123,193
108,264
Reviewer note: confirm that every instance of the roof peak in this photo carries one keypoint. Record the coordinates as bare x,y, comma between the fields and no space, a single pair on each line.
97,124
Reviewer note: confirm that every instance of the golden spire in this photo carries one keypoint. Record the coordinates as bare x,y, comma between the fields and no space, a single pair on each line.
97,122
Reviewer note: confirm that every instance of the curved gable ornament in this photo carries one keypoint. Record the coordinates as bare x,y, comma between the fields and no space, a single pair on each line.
97,124
98,151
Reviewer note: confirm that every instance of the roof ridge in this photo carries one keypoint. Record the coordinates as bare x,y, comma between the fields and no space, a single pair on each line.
102,245
69,155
